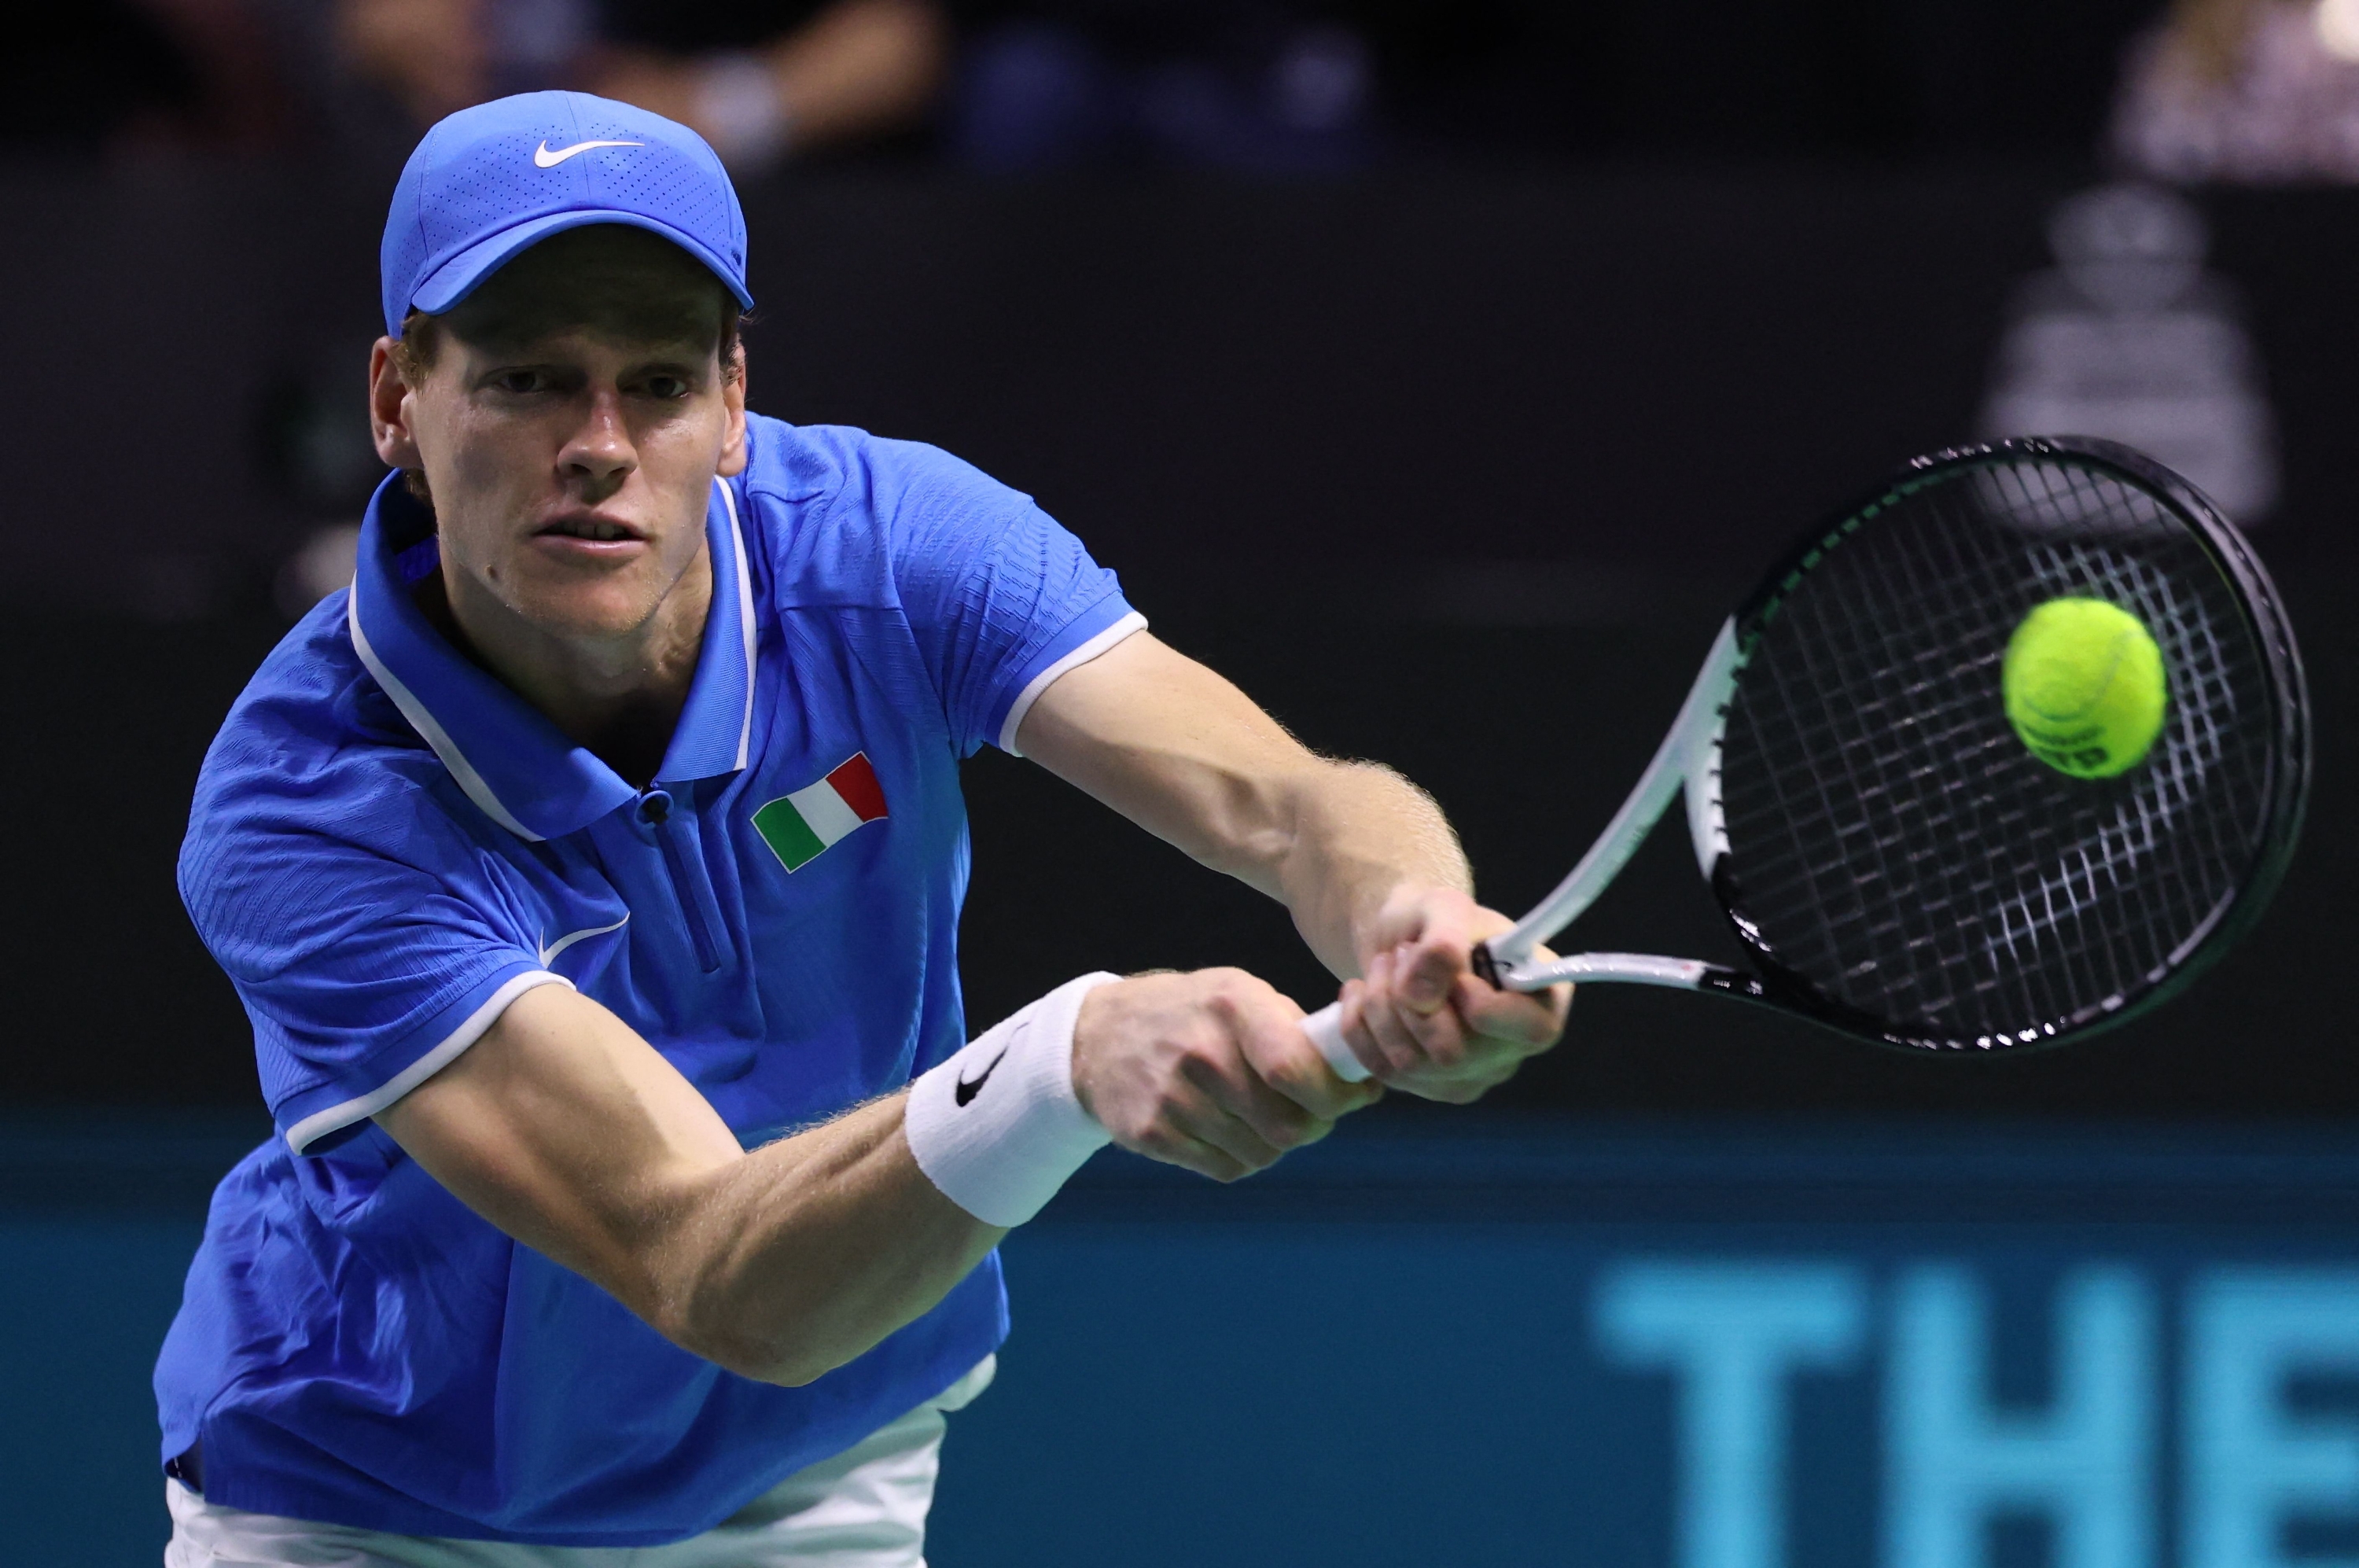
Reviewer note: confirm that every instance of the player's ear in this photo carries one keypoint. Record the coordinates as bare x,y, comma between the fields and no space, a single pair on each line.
732,400
396,444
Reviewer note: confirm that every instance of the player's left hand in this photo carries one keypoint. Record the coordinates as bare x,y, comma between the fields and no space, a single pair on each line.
1421,1019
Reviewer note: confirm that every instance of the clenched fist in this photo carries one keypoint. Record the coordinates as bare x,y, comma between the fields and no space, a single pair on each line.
1210,1070
1421,1021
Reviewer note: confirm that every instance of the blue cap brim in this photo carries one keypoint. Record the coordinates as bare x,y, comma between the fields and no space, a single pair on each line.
459,276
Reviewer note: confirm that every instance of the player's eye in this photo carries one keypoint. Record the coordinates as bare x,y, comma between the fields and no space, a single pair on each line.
516,382
667,388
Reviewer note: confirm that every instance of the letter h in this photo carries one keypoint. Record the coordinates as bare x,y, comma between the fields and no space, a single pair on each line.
1952,1460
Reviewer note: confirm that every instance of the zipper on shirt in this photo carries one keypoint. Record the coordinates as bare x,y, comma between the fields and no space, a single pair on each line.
655,809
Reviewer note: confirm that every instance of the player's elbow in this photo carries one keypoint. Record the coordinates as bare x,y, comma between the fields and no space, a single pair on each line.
753,1344
786,1365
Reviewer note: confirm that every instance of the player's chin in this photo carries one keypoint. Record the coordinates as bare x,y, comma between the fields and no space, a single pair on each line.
572,602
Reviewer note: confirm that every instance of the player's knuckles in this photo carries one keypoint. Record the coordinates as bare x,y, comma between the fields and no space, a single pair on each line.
1439,1035
1193,1154
1299,1083
1234,996
1357,1032
1177,1100
1266,1026
1158,1144
1214,1074
1394,1064
1444,952
1392,1034
1264,1113
1279,1122
1391,1037
1137,1122
1241,1142
1529,1021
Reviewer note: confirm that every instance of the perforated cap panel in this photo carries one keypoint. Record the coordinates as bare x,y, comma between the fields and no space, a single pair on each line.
490,181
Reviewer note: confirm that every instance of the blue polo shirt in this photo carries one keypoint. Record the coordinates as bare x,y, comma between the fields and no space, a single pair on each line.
388,847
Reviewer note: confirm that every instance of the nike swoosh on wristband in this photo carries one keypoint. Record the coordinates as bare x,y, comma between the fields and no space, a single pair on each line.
965,1090
544,158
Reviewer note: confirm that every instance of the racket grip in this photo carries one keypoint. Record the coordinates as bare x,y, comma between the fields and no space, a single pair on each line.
1325,1029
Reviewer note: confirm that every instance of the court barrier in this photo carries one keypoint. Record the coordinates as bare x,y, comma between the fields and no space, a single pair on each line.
1444,1339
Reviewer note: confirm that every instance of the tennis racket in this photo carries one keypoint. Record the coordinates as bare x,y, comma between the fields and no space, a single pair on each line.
1893,859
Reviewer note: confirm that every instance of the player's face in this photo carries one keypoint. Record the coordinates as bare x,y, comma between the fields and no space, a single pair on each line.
571,462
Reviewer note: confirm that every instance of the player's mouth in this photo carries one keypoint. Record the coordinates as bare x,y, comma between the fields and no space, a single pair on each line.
585,536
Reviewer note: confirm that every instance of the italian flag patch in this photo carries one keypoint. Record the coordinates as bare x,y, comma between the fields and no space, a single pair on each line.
799,826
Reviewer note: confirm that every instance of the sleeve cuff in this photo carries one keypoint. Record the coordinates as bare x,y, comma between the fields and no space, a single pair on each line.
1079,654
319,1124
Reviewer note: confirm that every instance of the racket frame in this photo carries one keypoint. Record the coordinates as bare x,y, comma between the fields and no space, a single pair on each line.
1689,761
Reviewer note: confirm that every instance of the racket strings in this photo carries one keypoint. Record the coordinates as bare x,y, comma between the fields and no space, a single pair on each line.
2063,894
1881,824
1893,839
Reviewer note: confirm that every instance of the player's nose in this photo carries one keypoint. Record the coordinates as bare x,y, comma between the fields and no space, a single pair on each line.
600,448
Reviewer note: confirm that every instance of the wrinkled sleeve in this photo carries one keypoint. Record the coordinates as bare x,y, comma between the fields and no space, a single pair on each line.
1001,599
368,953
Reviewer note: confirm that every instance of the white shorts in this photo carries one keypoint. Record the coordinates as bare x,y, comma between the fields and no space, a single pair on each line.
864,1508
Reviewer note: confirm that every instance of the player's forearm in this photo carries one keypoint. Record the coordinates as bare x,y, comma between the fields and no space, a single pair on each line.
1187,756
811,1250
568,1132
1357,831
803,1255
1330,839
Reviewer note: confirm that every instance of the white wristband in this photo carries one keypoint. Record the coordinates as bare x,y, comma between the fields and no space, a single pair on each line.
998,1127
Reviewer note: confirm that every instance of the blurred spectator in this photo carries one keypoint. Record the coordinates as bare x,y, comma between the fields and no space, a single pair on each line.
429,57
759,79
2258,91
1054,83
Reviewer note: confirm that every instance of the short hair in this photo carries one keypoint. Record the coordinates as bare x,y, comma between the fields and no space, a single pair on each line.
608,273
555,285
420,343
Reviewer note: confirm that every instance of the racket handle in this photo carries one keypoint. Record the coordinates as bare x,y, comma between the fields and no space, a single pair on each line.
1325,1029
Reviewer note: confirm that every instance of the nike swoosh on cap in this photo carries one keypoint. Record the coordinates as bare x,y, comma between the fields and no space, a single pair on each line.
544,158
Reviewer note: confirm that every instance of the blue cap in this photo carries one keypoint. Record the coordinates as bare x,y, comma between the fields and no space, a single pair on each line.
490,182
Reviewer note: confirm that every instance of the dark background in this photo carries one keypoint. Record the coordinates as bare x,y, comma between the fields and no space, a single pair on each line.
1453,455
1519,80
1457,469
1453,459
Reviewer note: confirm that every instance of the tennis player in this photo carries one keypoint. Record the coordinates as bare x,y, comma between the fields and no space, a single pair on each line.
591,872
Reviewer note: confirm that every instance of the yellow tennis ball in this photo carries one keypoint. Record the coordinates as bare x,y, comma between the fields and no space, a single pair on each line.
2084,687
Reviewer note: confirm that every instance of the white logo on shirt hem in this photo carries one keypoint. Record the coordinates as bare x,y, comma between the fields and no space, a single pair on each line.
570,938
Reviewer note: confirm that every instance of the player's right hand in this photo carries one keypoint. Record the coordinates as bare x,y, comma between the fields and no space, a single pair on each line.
1210,1070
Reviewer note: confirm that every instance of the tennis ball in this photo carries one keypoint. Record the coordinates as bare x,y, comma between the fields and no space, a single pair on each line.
2084,687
